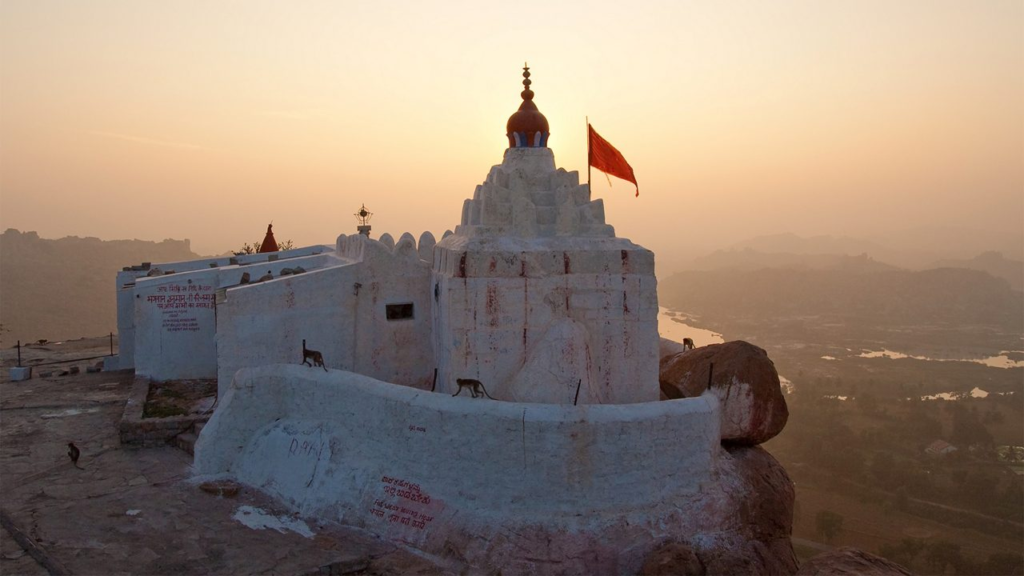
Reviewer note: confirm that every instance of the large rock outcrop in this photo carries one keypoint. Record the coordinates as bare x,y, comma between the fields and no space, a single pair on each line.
848,561
745,381
673,559
668,347
752,534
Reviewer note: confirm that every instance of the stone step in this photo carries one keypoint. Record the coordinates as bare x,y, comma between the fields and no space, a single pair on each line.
186,441
543,198
197,428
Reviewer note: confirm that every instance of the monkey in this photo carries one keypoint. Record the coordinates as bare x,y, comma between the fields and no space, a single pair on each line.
316,357
688,344
74,453
476,387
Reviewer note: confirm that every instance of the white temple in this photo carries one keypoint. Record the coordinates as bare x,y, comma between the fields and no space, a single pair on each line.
533,296
573,464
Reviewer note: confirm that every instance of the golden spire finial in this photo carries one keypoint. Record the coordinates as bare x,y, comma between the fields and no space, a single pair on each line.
527,93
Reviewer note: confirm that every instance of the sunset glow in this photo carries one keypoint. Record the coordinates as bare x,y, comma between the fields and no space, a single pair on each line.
207,121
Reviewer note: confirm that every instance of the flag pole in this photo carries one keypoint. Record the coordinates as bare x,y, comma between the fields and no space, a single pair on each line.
588,153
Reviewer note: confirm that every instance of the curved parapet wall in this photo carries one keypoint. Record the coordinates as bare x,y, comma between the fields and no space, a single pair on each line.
435,471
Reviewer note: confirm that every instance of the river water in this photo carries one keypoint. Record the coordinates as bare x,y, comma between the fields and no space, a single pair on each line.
672,325
1002,360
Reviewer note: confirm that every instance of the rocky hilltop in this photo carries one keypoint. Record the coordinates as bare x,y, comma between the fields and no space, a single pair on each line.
60,289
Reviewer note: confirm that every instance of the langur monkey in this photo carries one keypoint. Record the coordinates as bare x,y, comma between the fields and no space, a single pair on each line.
316,357
74,453
476,387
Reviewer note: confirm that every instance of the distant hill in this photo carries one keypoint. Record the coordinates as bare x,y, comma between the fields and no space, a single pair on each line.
992,262
749,259
915,249
952,296
794,244
61,289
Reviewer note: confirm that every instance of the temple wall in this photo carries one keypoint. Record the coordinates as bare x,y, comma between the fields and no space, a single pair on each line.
126,279
415,466
125,323
396,349
175,320
175,325
265,323
341,311
535,324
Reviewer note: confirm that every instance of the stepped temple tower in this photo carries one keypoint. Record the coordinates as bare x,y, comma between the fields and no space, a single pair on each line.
534,295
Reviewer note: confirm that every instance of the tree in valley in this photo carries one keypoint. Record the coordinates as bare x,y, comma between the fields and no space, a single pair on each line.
254,248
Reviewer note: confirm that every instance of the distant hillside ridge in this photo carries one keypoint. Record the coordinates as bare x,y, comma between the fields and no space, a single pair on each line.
65,288
916,249
749,259
788,242
992,262
953,296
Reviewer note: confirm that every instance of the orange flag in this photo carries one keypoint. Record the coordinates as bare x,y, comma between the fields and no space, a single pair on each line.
607,159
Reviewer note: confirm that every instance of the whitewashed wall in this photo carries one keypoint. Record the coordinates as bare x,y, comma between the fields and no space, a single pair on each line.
175,325
533,324
232,275
125,287
265,323
396,351
428,469
340,311
125,322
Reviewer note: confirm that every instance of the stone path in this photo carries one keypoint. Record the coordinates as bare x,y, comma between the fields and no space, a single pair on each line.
132,511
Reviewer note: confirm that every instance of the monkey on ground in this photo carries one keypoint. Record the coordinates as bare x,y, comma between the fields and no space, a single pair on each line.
316,357
74,453
476,387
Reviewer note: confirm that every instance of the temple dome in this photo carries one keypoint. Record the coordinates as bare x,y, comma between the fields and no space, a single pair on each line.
527,128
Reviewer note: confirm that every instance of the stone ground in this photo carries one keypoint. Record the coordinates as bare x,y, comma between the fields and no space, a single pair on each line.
134,511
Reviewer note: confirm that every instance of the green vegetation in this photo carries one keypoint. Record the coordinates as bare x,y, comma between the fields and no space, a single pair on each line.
254,248
168,399
162,411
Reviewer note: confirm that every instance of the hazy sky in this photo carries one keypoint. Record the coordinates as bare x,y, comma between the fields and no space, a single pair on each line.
205,120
